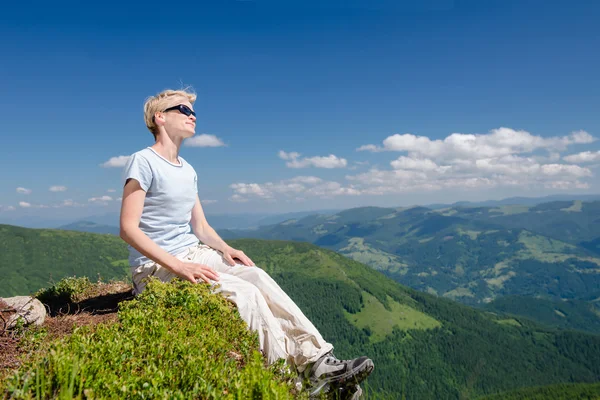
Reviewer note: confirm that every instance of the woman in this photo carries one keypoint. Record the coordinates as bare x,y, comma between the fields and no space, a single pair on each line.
160,200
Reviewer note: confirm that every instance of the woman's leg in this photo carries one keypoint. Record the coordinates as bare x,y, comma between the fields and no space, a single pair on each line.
303,342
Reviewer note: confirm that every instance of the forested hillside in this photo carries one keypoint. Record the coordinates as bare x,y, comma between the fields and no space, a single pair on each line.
34,258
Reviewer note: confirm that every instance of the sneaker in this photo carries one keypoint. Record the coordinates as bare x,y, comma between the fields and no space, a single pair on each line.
353,392
329,373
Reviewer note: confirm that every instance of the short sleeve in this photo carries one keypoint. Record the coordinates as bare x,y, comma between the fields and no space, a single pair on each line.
138,168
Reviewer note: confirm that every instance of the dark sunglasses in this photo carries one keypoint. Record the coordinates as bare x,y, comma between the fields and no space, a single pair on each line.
182,108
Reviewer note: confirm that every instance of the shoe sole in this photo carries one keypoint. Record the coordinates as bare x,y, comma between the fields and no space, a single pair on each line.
350,378
352,393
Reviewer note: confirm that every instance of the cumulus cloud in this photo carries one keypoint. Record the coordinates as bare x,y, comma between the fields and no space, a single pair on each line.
23,190
24,204
204,140
294,161
206,202
100,200
410,163
57,188
584,157
116,162
299,187
503,157
110,190
310,180
7,208
499,142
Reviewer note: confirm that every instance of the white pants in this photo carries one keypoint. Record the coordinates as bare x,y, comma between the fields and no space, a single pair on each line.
283,330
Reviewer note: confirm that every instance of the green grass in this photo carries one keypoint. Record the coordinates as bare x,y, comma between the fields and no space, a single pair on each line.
378,259
380,322
510,321
576,207
174,341
510,210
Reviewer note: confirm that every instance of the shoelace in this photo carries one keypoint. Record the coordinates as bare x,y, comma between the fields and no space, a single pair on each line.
333,360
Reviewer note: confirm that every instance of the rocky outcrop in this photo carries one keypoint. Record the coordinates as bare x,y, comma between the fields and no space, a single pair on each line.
30,309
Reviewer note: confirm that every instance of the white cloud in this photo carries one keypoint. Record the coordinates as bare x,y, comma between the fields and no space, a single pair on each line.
250,189
499,158
299,187
238,199
111,190
57,188
583,157
119,199
499,142
566,185
22,190
310,180
116,162
294,161
288,156
7,208
100,200
206,202
204,140
565,170
369,147
414,164
24,204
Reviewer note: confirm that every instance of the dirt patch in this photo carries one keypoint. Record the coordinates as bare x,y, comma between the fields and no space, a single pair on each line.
8,353
100,298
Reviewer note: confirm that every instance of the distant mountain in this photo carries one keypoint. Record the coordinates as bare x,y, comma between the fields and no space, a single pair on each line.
423,346
92,227
526,201
109,223
471,254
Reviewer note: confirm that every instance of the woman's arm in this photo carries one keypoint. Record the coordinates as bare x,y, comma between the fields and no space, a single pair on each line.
207,235
131,211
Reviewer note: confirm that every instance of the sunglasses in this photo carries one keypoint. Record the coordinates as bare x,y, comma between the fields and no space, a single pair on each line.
182,108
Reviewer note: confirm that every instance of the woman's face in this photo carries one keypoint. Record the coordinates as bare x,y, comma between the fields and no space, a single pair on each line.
177,123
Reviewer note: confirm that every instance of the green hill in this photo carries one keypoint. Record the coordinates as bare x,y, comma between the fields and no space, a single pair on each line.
174,341
91,227
565,314
34,258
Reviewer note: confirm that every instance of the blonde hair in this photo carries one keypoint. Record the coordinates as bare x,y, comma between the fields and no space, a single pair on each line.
162,101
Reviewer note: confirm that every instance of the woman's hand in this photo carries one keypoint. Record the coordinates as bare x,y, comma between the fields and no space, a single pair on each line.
230,254
194,271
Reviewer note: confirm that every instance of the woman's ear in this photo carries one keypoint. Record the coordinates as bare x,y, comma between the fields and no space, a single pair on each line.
159,118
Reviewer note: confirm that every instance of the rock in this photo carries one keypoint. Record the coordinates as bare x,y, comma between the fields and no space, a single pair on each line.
30,309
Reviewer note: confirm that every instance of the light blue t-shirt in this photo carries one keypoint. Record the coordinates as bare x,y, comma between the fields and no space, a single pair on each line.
171,191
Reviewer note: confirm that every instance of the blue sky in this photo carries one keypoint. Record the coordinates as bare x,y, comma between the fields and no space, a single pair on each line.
324,104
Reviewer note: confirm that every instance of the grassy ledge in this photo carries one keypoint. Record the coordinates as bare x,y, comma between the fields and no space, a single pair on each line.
174,341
